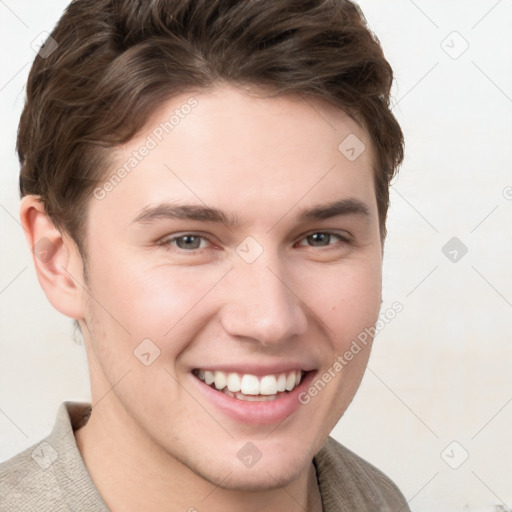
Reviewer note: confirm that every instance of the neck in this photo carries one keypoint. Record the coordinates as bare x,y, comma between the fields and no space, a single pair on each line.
122,461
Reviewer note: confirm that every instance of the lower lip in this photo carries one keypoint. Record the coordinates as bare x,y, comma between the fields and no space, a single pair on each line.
257,413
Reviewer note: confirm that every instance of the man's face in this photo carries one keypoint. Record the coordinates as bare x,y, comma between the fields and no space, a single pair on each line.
245,243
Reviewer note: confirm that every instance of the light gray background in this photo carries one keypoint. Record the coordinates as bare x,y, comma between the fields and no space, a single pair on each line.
441,370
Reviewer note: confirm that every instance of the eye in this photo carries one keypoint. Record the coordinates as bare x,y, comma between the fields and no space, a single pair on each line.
321,239
186,242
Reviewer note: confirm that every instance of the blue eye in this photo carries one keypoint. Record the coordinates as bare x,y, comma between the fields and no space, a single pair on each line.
187,242
190,242
321,239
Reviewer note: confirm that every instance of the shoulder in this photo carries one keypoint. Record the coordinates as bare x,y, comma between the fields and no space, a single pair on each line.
51,475
28,481
346,480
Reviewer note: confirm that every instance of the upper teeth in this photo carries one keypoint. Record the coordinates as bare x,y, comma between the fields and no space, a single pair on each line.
251,384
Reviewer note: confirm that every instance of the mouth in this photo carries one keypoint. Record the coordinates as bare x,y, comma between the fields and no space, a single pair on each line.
251,388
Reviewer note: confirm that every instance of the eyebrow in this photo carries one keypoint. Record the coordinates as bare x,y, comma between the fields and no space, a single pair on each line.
189,212
341,207
207,214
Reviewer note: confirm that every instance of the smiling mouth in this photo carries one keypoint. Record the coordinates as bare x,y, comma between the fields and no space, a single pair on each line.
251,388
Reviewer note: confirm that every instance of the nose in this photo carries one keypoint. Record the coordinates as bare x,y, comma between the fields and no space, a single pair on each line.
261,304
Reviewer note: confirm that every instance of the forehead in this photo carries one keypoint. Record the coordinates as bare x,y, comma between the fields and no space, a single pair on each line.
228,147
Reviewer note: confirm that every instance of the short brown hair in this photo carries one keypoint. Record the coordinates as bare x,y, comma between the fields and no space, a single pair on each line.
117,60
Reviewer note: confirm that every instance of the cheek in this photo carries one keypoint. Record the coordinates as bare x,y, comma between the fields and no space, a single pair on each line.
348,301
135,301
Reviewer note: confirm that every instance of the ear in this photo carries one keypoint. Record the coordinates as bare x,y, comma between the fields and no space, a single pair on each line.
58,264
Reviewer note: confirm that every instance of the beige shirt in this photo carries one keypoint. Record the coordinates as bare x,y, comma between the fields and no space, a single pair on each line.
51,476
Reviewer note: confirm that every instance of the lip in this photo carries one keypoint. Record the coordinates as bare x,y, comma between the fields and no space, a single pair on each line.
255,413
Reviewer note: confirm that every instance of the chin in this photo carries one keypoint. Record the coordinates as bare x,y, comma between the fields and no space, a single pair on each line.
262,476
253,480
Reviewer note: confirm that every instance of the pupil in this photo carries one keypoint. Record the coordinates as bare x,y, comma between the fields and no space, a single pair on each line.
319,239
188,242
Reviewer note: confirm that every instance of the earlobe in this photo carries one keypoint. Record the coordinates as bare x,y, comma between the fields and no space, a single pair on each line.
56,258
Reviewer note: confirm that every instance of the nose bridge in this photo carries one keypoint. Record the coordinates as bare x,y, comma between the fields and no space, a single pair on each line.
261,304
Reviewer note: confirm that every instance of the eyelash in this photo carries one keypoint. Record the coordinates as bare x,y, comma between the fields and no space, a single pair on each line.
168,242
343,239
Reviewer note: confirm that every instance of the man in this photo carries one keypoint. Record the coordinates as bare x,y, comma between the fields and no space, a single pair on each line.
205,187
